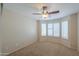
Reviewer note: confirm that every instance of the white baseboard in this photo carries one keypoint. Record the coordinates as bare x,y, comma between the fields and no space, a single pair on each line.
7,54
4,54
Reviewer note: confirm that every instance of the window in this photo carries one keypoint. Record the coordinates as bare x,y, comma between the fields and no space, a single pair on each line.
43,29
50,29
64,29
56,29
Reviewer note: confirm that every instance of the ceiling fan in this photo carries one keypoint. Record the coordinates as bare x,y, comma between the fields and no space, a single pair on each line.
45,13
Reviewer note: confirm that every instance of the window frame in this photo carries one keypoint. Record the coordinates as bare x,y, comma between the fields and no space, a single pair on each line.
60,28
45,30
52,29
67,30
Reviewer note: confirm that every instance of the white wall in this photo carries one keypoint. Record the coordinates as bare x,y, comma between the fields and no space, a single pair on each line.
55,39
72,32
0,29
0,42
78,32
18,31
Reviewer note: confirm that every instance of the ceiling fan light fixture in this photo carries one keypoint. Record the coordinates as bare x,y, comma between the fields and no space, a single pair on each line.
45,15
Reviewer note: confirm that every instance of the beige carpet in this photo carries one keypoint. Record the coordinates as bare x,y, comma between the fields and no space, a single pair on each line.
45,49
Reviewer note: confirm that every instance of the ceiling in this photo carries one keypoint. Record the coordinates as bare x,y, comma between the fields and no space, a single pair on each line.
28,8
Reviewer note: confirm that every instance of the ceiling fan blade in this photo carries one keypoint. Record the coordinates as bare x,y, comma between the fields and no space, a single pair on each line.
36,13
1,8
53,12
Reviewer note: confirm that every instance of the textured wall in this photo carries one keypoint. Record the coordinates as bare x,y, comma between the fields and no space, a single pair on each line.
18,31
78,32
72,29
